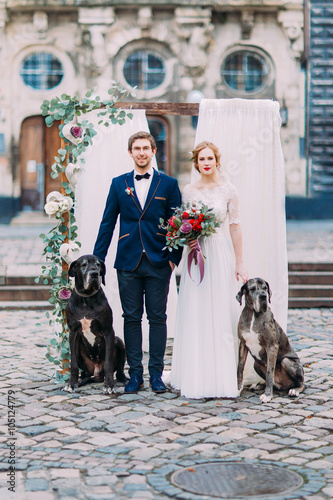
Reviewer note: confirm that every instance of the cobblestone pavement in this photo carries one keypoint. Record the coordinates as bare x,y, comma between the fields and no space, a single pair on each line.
90,446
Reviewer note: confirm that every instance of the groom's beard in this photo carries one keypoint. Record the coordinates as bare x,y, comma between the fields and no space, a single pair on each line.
144,163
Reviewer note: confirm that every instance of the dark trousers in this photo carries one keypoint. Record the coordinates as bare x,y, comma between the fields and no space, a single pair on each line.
147,284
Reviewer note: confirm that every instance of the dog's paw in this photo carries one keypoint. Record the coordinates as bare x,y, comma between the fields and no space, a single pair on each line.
264,398
240,390
68,388
294,393
109,390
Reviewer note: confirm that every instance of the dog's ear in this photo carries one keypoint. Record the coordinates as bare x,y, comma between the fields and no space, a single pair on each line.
103,271
71,271
241,293
269,292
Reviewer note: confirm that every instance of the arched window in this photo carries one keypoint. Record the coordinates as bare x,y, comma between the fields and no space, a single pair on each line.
144,69
41,71
245,71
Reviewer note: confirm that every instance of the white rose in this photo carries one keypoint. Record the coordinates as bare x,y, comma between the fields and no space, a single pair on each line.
66,203
51,208
54,196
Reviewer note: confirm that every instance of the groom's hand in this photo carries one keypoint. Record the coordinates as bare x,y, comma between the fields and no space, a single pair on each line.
172,265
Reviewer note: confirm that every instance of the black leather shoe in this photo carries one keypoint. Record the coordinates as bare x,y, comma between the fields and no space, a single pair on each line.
157,384
134,385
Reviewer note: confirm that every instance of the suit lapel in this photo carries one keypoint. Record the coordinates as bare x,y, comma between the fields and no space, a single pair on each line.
152,189
129,181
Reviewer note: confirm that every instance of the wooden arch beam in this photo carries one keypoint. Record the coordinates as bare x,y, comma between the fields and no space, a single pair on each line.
162,108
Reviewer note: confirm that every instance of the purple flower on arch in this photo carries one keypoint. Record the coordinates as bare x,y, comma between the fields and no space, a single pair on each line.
76,132
65,294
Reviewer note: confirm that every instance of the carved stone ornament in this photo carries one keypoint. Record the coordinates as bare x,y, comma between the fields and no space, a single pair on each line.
194,29
145,18
40,23
292,23
247,22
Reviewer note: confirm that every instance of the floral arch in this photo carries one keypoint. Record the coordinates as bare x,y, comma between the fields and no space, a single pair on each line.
61,242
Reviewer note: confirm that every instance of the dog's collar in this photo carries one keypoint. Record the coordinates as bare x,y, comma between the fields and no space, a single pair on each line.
83,295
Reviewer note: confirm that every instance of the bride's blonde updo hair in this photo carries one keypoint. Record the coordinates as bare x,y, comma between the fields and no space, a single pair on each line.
199,147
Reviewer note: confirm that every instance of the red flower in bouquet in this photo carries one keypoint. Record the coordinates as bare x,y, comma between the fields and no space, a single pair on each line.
189,222
172,222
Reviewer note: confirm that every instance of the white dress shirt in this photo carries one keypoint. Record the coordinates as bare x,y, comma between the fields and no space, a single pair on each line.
142,186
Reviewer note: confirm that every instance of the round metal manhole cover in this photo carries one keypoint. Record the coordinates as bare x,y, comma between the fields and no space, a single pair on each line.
236,480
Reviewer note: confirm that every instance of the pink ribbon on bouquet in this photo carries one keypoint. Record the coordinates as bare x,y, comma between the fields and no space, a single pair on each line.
196,254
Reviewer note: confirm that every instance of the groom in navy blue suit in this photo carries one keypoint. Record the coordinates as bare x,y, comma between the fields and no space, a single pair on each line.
141,198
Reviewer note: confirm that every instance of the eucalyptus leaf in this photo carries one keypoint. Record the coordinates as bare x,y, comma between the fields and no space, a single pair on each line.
49,121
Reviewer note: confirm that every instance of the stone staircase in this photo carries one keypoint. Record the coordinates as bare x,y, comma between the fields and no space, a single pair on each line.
310,285
21,292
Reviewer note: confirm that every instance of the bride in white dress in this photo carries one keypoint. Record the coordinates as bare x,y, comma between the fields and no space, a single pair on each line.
205,352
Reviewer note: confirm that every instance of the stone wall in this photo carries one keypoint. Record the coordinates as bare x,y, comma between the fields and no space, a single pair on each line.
92,44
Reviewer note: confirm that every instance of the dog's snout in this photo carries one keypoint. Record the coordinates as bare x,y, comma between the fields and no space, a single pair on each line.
94,274
263,295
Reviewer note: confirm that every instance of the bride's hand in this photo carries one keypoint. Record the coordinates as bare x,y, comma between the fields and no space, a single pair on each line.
240,271
192,243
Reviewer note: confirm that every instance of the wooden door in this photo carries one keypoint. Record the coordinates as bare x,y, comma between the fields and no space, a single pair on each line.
32,153
38,146
52,143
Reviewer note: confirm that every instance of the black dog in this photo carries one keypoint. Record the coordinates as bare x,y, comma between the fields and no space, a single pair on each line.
274,359
94,348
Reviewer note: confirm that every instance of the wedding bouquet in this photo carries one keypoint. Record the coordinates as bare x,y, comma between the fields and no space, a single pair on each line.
189,222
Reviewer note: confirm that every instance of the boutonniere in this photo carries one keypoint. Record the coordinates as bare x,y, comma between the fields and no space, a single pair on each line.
129,191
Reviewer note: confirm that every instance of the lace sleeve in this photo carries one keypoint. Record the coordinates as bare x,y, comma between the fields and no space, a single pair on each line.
233,206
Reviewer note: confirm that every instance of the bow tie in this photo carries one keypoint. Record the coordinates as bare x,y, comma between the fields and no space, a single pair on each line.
144,176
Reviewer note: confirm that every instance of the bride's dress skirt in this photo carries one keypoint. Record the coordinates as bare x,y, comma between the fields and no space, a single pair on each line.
205,352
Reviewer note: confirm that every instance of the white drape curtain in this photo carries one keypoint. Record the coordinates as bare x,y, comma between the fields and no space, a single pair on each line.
108,158
247,132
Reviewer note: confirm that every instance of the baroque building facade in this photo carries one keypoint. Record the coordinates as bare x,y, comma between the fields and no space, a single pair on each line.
171,50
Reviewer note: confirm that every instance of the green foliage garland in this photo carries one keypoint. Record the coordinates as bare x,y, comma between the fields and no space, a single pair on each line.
69,109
